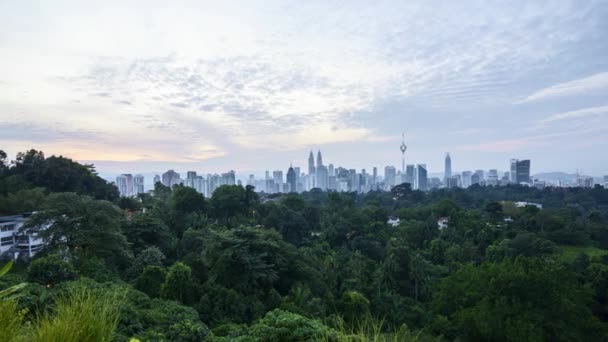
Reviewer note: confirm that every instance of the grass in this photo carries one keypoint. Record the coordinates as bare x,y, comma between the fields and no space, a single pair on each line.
370,329
569,253
82,316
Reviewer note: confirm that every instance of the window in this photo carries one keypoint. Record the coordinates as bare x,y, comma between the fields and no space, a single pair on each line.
5,241
8,227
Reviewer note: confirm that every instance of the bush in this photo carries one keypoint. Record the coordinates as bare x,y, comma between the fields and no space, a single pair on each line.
279,325
50,270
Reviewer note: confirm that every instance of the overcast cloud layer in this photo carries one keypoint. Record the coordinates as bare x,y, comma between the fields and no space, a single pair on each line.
210,86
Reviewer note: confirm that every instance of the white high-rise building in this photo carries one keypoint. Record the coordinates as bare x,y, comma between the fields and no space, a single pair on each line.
138,184
125,185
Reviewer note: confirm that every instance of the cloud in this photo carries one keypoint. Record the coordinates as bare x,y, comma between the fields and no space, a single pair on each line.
594,83
577,114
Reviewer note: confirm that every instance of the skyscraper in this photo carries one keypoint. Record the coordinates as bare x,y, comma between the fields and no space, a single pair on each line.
523,171
124,183
311,171
448,166
138,184
422,177
409,175
171,178
319,159
390,175
291,179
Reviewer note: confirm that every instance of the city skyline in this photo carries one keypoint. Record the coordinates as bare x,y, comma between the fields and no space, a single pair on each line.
219,86
330,177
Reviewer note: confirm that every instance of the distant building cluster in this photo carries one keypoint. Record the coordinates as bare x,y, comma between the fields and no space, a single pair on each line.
329,177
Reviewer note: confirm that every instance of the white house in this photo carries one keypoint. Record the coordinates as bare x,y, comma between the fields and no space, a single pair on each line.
442,222
393,221
525,204
15,243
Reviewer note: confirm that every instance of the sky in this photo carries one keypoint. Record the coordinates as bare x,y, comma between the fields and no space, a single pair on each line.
146,86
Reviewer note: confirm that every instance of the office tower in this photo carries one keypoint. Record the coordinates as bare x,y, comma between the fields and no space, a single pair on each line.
330,170
522,170
322,177
481,176
422,177
251,180
448,166
390,175
475,178
156,179
190,174
492,178
138,184
124,183
375,175
403,148
513,173
319,159
311,171
228,178
409,174
466,179
452,182
277,178
311,164
171,178
291,180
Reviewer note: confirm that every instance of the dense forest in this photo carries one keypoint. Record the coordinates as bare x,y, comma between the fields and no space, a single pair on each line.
172,265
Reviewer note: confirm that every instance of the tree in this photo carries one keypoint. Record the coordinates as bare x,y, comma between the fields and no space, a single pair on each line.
129,204
81,224
230,202
516,299
279,325
151,281
145,230
50,270
186,200
178,284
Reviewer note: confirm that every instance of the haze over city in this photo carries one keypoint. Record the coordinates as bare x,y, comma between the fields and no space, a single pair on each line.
211,86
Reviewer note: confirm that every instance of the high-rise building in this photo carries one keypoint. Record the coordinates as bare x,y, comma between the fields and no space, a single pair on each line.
156,179
125,185
422,177
311,171
448,166
138,184
520,171
513,169
330,170
277,178
171,178
466,179
390,175
319,159
492,178
322,177
481,177
452,182
291,179
409,174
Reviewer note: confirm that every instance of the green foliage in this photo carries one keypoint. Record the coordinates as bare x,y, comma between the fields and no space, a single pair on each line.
279,325
50,270
151,281
81,223
22,201
178,284
514,300
81,316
